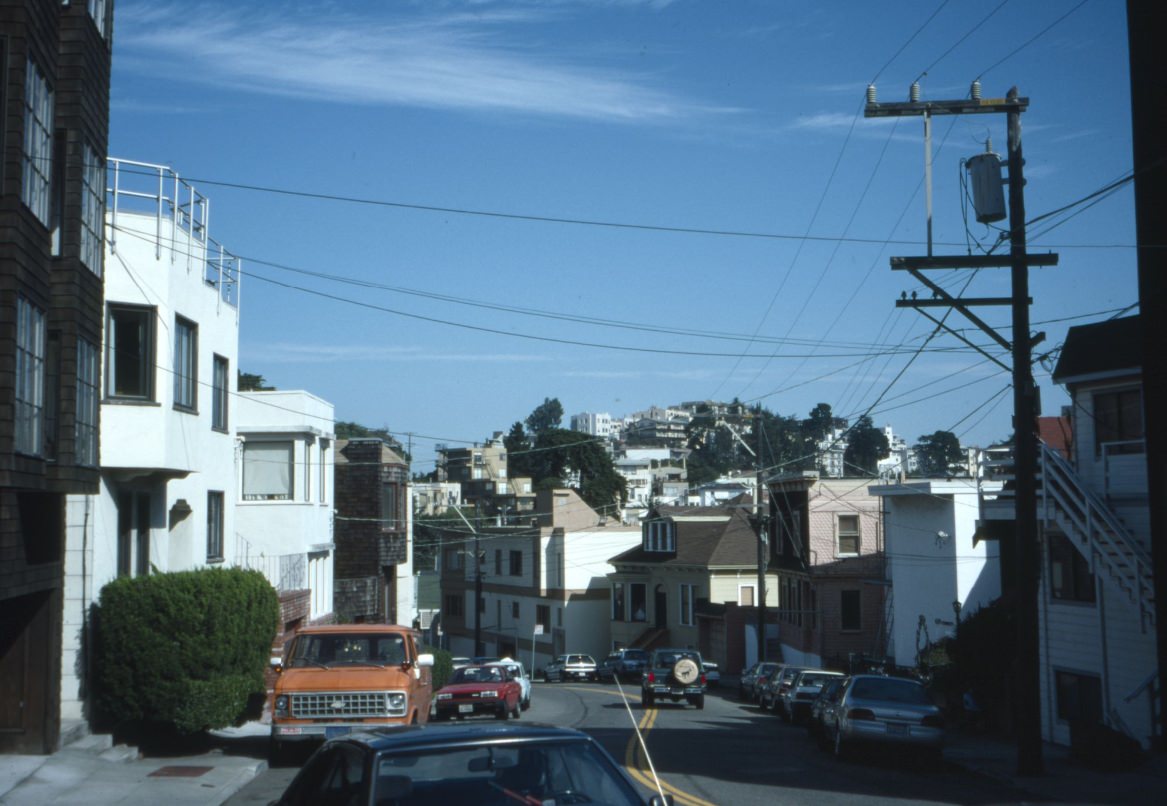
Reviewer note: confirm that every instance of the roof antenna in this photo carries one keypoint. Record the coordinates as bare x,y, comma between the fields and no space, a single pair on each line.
640,738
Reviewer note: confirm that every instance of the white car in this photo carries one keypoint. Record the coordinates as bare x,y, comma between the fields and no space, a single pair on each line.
515,668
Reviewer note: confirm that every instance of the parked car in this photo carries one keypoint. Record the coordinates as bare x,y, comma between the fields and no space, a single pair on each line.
459,662
754,677
885,710
517,671
606,669
712,674
822,707
771,697
769,692
571,667
632,663
674,674
474,690
797,697
465,764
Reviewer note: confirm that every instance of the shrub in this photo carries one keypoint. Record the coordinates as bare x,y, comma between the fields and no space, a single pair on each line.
185,649
443,666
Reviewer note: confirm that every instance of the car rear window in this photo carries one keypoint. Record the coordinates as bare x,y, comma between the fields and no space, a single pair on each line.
891,690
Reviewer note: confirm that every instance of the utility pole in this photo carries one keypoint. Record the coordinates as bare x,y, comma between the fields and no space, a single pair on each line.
1027,677
761,517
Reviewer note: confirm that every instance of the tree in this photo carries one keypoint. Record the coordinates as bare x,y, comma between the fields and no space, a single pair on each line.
253,383
939,454
517,444
818,426
548,414
349,430
866,445
558,453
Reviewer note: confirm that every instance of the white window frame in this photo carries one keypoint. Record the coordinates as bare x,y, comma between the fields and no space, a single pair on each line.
220,392
839,533
115,353
660,536
216,512
88,389
29,393
37,155
92,208
186,364
265,473
97,11
686,601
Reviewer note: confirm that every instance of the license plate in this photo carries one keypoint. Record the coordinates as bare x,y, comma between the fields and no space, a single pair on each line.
466,709
897,730
337,731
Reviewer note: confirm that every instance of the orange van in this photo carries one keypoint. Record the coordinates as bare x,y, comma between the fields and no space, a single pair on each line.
341,677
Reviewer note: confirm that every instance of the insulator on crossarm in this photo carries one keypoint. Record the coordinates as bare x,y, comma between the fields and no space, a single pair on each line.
914,92
975,90
870,93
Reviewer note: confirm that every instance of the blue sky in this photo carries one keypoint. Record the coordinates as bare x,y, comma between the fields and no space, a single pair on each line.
623,204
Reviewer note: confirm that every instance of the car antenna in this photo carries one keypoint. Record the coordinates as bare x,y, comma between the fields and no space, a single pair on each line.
640,738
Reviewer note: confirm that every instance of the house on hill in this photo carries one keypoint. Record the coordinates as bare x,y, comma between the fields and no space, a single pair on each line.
692,581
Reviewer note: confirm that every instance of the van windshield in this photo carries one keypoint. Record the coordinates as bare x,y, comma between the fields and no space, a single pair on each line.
347,648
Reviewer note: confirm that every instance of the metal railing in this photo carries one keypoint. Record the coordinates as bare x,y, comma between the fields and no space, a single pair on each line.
143,188
1082,513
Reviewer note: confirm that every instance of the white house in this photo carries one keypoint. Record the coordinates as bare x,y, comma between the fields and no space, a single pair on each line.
283,517
937,568
1096,605
167,442
544,586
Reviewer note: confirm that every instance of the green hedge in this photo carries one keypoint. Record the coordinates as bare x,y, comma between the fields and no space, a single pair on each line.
185,649
443,666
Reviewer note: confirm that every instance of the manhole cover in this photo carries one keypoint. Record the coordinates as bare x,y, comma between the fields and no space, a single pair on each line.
179,771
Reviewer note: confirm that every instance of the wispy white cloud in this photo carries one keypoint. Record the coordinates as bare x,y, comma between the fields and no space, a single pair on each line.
479,59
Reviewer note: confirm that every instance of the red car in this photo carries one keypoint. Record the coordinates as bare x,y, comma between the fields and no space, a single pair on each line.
479,690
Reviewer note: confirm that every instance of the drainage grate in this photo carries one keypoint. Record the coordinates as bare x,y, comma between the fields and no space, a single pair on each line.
177,771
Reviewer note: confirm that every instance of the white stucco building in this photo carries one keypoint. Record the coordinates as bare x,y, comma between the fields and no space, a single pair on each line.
167,442
284,513
934,561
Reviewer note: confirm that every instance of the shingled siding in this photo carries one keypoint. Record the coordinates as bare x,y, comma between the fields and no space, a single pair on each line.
355,597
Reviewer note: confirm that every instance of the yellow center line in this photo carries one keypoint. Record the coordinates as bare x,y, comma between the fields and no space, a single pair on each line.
635,762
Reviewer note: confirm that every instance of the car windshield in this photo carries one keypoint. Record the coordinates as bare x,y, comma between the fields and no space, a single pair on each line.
478,674
347,648
546,772
635,654
580,659
890,690
669,658
817,680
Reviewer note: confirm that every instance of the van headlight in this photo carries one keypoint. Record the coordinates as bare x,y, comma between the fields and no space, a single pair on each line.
281,705
396,702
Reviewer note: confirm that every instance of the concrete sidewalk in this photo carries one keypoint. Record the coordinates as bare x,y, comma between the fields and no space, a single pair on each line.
1064,779
94,772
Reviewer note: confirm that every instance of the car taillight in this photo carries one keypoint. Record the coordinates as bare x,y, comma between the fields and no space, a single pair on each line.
860,713
934,721
651,677
702,679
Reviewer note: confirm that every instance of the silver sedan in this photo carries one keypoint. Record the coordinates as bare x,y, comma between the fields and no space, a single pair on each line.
886,710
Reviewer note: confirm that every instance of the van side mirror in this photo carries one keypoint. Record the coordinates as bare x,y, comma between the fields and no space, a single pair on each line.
425,659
